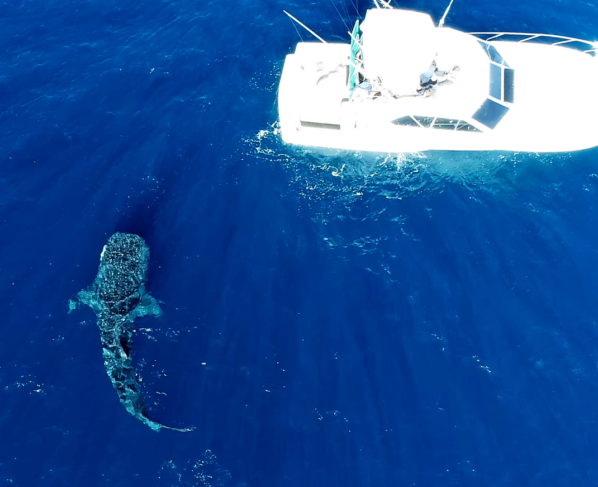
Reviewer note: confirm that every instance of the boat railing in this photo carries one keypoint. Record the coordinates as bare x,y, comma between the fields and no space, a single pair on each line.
582,45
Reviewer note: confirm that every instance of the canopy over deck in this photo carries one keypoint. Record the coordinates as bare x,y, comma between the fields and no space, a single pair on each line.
398,45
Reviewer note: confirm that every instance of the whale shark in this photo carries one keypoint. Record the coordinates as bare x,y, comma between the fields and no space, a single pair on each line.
118,296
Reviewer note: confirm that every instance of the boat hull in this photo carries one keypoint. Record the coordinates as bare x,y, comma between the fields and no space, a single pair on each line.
552,111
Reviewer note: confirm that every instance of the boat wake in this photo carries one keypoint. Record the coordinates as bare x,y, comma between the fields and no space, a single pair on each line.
393,196
345,177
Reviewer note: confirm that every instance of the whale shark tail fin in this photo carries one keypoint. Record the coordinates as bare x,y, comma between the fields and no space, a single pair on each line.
182,430
158,426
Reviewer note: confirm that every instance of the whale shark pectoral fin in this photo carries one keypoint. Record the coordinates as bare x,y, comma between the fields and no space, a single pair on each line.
148,306
73,305
87,297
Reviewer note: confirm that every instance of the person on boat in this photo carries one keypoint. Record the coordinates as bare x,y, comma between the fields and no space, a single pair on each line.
430,77
426,91
377,87
427,78
358,65
365,85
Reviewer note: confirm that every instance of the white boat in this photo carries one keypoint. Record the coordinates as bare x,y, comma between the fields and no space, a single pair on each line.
505,91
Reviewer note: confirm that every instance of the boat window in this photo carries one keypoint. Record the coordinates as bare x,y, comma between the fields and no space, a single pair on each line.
495,81
466,127
445,124
425,121
490,113
439,123
509,85
407,121
492,53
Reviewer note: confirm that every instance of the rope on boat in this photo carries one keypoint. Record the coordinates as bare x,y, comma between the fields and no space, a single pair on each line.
305,27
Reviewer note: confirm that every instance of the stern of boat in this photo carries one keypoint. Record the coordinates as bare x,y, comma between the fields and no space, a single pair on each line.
313,86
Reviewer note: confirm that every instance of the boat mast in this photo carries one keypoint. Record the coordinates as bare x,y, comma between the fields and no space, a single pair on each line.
305,27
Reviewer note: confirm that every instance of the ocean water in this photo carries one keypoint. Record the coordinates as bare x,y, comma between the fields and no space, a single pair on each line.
331,318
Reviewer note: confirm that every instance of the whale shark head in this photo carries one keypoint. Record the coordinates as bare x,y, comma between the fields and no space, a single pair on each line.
119,287
122,272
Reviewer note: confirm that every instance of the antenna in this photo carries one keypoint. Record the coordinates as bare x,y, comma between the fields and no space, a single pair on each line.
441,23
305,27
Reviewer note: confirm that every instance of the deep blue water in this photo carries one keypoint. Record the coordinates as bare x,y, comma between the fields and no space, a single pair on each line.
331,319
